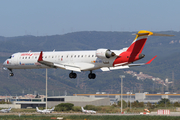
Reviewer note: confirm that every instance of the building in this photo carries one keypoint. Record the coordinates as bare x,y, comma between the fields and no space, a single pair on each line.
141,97
55,100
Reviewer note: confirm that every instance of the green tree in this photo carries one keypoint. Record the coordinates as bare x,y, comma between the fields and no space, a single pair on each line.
124,104
92,107
64,107
164,103
149,105
176,104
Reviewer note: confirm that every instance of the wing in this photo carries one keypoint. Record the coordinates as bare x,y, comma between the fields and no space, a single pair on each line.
57,65
126,66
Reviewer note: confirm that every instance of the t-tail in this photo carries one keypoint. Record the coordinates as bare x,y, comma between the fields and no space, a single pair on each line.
82,108
138,44
9,109
134,52
135,49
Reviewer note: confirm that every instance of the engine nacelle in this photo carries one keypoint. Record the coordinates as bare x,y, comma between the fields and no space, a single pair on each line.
104,53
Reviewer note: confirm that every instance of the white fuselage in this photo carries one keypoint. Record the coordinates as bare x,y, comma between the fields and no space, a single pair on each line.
87,60
88,111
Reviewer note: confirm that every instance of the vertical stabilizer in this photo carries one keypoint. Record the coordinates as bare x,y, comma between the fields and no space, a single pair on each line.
138,44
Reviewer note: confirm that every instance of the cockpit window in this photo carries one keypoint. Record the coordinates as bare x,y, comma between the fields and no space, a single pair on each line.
10,57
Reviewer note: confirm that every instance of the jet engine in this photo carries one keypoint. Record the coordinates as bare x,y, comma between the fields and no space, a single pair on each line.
104,53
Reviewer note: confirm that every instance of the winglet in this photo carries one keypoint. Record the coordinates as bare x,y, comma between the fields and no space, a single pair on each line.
40,57
151,60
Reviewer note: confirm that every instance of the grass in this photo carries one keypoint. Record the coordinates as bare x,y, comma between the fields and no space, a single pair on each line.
89,117
108,117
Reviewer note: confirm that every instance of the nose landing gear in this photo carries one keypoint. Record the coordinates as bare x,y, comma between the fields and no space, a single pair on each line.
11,74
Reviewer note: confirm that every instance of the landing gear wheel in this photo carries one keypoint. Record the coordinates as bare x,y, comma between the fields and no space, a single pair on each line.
11,74
92,76
72,75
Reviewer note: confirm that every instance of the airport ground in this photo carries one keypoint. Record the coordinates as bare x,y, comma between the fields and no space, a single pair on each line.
81,116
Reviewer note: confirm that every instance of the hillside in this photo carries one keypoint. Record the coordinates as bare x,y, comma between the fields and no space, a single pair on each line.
167,49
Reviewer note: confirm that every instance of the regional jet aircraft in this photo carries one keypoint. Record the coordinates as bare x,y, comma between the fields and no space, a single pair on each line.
45,110
5,110
77,61
88,111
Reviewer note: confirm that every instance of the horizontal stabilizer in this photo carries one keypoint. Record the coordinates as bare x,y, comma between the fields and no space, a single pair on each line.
143,33
131,65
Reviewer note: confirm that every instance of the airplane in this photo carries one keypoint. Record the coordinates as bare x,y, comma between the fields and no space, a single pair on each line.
88,111
45,110
79,61
5,110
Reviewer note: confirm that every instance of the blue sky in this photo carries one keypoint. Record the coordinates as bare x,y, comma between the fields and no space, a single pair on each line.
50,17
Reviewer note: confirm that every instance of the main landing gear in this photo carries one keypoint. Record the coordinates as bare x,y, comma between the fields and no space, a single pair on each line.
72,75
91,75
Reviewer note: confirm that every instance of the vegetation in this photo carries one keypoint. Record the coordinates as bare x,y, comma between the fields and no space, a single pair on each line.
89,117
124,117
64,107
3,102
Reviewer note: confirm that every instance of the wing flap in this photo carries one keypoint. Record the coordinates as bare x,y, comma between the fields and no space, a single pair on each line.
72,68
56,65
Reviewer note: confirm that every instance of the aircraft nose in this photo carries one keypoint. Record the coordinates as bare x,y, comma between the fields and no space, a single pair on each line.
6,62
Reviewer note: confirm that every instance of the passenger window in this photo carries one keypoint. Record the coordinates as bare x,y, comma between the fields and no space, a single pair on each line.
22,57
29,57
81,55
78,56
92,55
52,56
75,56
67,56
89,56
25,57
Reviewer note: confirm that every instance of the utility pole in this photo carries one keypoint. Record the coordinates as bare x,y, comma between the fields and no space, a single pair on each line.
121,76
173,81
46,88
130,100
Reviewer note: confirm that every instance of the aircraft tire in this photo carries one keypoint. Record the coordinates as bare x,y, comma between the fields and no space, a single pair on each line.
92,76
72,75
11,74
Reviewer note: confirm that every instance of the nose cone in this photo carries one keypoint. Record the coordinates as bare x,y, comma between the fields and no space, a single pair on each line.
6,63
